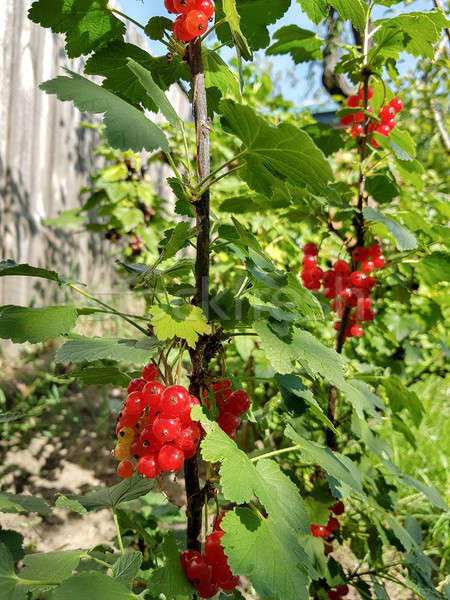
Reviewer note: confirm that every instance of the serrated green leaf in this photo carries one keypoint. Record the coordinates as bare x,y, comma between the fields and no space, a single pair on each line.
126,127
9,267
156,26
241,480
68,218
233,19
128,216
89,585
412,171
87,24
176,241
354,10
184,321
51,566
275,154
170,579
326,137
126,568
302,45
342,474
13,540
382,188
21,324
219,75
70,504
110,497
102,376
401,397
268,553
8,580
137,352
399,142
404,239
154,92
18,503
316,10
435,267
256,16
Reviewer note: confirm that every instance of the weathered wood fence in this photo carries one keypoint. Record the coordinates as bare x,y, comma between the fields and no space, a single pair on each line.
45,158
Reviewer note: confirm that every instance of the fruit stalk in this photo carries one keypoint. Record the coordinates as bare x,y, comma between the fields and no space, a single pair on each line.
201,297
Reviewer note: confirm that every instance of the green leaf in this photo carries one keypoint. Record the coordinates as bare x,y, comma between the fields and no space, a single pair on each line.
382,188
9,267
420,30
241,480
129,217
177,240
110,497
154,92
8,580
156,26
126,568
102,376
64,502
256,16
68,218
230,13
184,321
17,503
51,566
401,397
88,24
316,10
404,239
218,74
170,579
342,474
13,540
292,388
354,10
126,127
89,585
275,154
21,324
10,417
268,553
400,142
302,45
412,171
329,139
435,267
137,352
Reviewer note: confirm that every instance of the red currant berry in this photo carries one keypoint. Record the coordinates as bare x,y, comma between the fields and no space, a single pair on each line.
356,331
170,458
125,469
332,525
374,250
206,589
174,401
188,556
166,429
186,416
371,282
374,142
134,404
356,130
320,531
333,595
379,262
369,316
136,385
340,266
229,422
214,552
359,254
387,113
309,261
361,93
346,293
150,372
347,120
196,22
169,6
358,279
352,101
383,129
367,266
197,569
329,277
338,305
188,438
148,442
396,104
342,590
221,573
179,29
148,466
125,435
311,249
238,403
135,449
338,508
224,384
312,284
337,325
183,6
205,6
330,292
390,124
230,584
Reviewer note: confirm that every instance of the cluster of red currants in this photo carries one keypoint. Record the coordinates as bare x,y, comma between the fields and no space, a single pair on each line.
193,17
347,288
231,405
386,115
339,592
326,531
209,571
154,427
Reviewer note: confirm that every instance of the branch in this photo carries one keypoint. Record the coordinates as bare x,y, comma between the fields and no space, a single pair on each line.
202,126
334,83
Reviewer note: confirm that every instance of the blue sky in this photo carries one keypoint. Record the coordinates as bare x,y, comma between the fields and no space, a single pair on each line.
143,10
